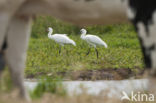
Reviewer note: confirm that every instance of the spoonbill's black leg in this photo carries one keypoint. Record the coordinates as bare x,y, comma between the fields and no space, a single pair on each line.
59,50
88,52
66,50
97,54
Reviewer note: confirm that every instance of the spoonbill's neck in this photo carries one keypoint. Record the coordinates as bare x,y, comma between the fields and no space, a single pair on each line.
50,32
83,35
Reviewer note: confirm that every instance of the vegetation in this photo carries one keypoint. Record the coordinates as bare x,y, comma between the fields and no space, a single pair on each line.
48,85
43,58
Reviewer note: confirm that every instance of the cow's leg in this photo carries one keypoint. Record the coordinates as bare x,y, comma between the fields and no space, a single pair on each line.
143,16
147,36
17,39
7,10
4,19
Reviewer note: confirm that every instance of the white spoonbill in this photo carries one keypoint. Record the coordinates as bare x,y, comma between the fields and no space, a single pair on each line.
92,40
61,39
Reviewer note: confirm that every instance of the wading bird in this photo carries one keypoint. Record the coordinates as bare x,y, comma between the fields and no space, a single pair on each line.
92,40
61,39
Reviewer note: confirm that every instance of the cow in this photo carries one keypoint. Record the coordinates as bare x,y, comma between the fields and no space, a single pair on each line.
16,19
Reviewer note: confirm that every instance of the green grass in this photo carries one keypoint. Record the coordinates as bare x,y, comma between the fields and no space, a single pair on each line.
43,58
48,85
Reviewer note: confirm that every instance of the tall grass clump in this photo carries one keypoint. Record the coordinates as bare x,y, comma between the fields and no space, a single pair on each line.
48,85
5,81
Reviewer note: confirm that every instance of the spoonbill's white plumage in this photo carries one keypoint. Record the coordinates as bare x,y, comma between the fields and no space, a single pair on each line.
92,40
61,39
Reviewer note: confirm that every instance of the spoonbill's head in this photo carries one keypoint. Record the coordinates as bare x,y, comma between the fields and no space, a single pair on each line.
83,31
50,29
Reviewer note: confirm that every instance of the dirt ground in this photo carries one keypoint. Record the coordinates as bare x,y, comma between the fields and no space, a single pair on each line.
106,74
49,98
102,74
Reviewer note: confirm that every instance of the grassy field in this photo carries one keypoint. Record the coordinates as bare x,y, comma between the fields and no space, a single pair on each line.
43,58
44,61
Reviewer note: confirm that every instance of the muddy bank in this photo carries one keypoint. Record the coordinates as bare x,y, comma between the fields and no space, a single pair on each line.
106,74
102,74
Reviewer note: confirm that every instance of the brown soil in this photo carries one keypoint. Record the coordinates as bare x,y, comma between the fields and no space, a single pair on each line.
51,98
102,74
105,74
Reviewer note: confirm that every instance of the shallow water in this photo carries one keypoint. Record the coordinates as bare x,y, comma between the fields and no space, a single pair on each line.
111,88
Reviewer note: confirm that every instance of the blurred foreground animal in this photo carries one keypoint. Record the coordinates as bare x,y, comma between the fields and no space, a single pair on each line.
16,17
